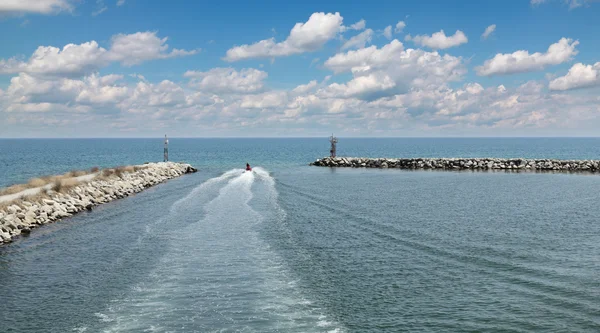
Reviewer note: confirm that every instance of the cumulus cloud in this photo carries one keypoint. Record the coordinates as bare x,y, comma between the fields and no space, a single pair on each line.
29,93
98,90
365,58
46,107
304,88
80,59
370,86
99,11
387,32
473,88
138,76
400,27
576,3
304,37
136,48
100,8
35,6
393,58
368,104
228,80
164,94
439,40
389,70
383,90
266,100
477,107
360,25
488,31
359,41
73,59
571,3
579,76
521,61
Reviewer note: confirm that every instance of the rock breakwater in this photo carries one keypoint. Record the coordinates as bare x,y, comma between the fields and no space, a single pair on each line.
517,164
21,216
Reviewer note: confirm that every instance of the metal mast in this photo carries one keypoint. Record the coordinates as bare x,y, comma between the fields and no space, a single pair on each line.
166,156
333,141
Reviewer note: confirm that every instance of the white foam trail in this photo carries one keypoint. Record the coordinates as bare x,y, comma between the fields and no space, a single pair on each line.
218,273
203,186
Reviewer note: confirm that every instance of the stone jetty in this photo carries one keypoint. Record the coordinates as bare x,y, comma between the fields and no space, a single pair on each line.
23,215
516,164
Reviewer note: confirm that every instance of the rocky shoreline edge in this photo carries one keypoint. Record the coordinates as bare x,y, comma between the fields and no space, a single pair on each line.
28,213
515,164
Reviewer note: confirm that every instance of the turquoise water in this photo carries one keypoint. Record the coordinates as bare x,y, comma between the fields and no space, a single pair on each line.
292,248
23,159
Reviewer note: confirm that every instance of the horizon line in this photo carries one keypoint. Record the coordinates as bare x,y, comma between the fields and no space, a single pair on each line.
305,137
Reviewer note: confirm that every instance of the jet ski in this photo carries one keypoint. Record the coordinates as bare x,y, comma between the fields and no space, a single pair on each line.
248,168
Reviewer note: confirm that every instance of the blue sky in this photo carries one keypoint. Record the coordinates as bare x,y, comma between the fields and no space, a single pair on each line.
122,80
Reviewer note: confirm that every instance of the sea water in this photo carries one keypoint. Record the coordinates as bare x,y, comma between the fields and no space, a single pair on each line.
293,248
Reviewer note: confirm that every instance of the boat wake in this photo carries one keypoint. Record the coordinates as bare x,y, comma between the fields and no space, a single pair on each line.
217,272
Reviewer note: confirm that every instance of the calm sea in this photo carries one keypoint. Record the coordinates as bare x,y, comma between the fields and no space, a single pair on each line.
293,248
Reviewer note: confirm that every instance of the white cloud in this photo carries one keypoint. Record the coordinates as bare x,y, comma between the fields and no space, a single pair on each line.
48,60
579,76
405,65
27,92
531,88
476,107
391,70
99,11
228,80
85,58
136,48
488,31
575,3
202,99
304,37
138,76
359,41
46,107
120,3
386,90
571,3
164,94
101,90
368,104
521,61
365,58
35,6
387,32
474,88
400,27
307,106
439,40
23,87
304,88
363,87
100,8
360,25
265,100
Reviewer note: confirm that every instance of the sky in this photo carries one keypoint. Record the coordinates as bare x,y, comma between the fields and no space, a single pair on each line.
428,68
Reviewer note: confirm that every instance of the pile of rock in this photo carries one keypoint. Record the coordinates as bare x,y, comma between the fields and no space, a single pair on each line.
24,216
463,163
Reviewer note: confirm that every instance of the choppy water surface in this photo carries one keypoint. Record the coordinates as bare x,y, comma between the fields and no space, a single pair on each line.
292,248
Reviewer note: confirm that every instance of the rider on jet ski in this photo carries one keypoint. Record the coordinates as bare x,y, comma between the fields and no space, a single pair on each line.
248,168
